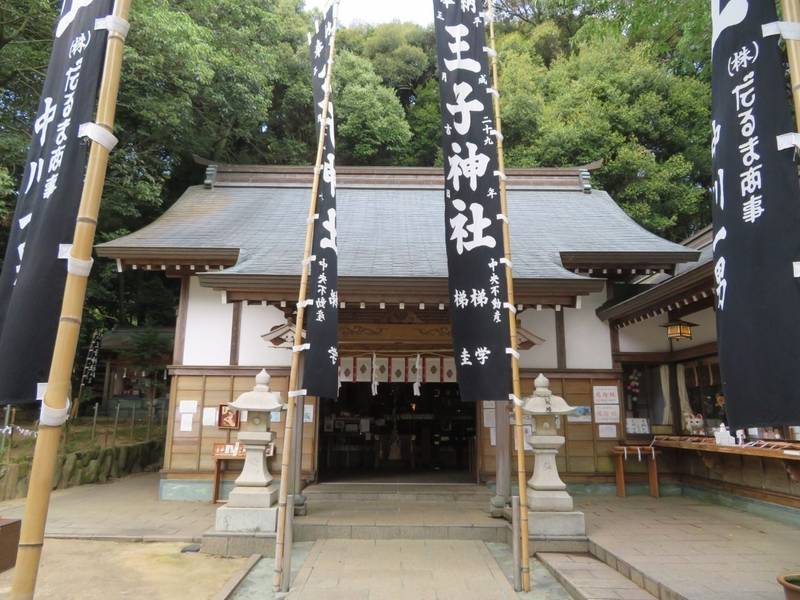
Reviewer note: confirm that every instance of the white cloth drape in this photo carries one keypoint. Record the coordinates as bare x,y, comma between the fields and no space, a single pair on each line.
683,392
666,418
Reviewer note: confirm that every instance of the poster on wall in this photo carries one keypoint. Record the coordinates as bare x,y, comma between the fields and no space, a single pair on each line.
606,413
637,426
582,414
607,431
605,394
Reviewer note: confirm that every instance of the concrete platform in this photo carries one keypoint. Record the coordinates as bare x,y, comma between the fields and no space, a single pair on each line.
680,548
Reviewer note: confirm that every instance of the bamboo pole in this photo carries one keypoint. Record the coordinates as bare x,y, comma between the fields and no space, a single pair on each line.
519,436
288,431
58,383
791,12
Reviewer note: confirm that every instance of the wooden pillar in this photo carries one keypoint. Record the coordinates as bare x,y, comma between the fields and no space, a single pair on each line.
561,340
236,326
180,324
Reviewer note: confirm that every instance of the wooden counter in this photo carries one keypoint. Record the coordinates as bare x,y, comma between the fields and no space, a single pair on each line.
788,452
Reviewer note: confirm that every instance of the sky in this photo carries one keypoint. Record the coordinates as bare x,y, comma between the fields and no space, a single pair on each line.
380,11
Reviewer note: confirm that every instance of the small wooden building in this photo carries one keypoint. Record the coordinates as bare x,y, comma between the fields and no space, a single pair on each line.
236,244
673,385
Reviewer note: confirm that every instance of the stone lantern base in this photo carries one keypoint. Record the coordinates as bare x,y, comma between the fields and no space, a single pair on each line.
250,510
553,523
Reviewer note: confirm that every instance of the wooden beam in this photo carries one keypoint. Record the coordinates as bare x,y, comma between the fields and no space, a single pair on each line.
236,326
180,325
561,341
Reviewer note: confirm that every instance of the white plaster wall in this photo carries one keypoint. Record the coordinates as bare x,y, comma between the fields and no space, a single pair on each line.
253,350
542,323
208,327
705,332
587,338
645,336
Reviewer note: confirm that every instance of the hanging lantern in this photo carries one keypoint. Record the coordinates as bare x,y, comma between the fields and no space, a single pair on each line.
678,329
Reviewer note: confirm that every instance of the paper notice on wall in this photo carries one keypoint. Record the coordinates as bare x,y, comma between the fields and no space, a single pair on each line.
209,416
488,414
187,406
363,426
186,421
637,426
605,394
606,413
581,414
607,431
493,436
308,413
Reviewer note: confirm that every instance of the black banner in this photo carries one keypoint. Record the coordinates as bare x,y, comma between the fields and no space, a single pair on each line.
478,293
756,220
35,266
320,374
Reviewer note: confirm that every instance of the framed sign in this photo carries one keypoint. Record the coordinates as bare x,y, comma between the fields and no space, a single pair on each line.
605,394
227,417
606,413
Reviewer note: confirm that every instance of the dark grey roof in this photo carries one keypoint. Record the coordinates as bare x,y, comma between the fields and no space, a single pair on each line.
387,231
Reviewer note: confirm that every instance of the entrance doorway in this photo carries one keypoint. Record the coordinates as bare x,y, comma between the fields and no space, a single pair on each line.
396,437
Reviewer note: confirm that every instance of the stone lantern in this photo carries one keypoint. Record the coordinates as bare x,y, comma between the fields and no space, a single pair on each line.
551,508
251,503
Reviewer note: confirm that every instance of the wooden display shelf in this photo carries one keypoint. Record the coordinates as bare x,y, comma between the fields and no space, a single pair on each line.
788,452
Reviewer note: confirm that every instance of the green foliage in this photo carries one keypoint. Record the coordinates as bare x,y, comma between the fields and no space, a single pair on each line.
425,122
612,101
371,124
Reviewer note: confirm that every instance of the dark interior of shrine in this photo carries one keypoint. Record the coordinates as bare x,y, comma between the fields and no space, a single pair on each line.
396,436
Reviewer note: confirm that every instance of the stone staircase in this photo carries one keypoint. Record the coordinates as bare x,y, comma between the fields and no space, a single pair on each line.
399,511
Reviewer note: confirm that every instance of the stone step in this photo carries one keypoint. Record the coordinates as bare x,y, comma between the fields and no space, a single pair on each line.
640,578
470,495
309,532
587,578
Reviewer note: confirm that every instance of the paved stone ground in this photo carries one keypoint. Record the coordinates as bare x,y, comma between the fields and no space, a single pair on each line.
401,570
698,550
127,509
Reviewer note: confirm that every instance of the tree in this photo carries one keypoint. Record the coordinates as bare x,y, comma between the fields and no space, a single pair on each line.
615,102
402,54
371,124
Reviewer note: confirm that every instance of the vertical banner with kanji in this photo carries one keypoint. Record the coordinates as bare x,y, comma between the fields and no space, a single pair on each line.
473,225
320,374
756,210
35,265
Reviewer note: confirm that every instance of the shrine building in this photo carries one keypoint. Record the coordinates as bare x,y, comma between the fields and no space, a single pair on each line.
580,265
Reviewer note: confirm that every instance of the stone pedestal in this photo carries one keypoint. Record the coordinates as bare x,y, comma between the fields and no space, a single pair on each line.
249,510
546,491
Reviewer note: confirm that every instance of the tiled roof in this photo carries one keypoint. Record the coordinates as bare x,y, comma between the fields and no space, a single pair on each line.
388,229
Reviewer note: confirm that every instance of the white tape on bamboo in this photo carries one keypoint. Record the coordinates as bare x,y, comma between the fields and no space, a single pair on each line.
113,24
53,417
98,134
